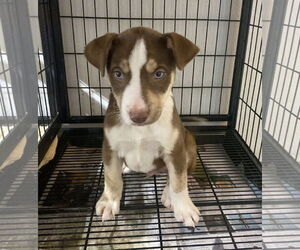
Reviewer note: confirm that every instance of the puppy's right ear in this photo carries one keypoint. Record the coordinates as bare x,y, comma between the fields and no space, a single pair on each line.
97,51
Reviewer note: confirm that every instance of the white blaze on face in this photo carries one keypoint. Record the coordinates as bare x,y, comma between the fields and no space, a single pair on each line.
132,97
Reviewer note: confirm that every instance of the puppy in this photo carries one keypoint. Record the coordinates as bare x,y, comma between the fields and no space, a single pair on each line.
142,128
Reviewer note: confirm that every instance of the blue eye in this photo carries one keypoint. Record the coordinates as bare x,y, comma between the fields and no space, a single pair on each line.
159,74
118,75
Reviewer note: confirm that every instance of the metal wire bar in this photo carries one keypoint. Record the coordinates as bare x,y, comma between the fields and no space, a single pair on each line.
87,64
214,58
99,78
203,67
249,117
76,63
150,19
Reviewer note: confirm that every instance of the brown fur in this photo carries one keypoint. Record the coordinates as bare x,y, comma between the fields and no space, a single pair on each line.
183,49
151,65
164,52
124,65
158,52
112,117
191,149
185,150
97,51
113,52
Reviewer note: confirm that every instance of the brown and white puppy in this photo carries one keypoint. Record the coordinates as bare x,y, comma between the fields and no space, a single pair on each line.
142,127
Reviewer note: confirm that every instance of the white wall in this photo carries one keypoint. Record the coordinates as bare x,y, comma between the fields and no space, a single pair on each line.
282,120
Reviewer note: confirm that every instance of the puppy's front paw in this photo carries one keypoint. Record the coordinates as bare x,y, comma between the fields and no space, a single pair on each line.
184,209
107,208
165,198
187,213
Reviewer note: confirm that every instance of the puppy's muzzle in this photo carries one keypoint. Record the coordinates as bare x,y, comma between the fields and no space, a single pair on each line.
139,116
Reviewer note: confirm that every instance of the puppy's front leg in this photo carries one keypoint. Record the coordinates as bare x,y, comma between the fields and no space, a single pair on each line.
109,203
176,195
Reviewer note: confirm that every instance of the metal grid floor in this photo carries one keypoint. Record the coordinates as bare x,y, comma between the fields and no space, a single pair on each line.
226,191
18,213
281,209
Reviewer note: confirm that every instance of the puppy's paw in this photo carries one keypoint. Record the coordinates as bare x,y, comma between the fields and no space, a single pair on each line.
184,209
187,213
165,198
107,208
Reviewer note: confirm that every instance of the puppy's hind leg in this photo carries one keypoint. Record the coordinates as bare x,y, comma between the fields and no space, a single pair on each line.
109,203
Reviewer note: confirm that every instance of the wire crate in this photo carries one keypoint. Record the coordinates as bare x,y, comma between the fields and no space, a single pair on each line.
227,189
222,85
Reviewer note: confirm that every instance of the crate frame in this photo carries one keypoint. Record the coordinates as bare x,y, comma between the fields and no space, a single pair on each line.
62,100
240,153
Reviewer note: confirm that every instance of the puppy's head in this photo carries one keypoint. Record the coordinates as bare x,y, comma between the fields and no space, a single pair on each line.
141,65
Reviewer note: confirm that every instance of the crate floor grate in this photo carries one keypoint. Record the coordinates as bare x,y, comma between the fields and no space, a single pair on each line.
227,191
281,220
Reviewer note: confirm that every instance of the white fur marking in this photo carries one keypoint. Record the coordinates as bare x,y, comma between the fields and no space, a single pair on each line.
184,209
140,145
109,203
132,96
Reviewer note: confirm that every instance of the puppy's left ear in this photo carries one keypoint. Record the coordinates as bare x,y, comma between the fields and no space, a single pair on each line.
183,49
97,51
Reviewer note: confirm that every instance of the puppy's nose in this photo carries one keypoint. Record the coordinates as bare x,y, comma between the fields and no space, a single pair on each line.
138,115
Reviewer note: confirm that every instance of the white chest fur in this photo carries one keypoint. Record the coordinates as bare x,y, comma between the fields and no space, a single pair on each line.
141,145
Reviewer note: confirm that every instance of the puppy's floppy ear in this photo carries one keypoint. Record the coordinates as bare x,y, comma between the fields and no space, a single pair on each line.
97,51
183,49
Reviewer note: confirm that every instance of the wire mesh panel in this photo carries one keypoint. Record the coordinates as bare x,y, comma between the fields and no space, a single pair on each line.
281,139
44,113
249,117
227,190
16,77
18,216
203,88
52,107
8,114
18,108
281,220
283,113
